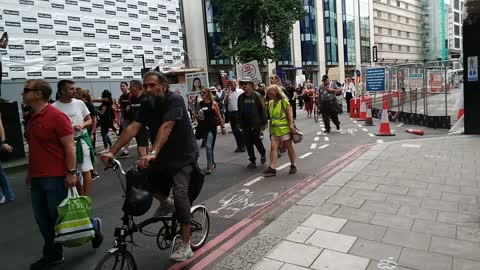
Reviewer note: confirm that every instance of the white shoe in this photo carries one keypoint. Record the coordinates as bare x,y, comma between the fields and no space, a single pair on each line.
3,200
183,253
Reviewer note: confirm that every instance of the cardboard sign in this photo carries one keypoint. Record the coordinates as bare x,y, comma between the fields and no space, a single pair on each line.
251,70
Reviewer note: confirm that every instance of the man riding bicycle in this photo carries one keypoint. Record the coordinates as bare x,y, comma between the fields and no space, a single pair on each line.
173,156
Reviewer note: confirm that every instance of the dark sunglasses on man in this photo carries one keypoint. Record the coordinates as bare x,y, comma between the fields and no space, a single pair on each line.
28,90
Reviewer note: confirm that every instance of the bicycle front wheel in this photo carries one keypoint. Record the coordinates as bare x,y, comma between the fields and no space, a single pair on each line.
316,115
117,260
200,227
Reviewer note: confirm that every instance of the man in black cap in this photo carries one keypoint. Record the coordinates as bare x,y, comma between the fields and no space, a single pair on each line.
253,120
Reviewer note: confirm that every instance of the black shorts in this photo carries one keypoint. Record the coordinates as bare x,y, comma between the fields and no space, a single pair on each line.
142,138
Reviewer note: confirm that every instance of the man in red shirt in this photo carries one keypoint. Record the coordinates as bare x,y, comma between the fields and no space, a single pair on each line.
52,165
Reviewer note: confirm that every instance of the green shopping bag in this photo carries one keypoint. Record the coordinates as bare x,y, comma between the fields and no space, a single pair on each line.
74,227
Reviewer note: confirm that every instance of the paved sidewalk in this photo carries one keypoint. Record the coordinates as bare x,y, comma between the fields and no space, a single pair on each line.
401,206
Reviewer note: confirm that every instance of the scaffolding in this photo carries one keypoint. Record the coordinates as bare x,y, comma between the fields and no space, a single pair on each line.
426,29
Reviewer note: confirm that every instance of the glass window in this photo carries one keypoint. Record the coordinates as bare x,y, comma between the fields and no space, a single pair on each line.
398,3
389,16
457,43
408,48
456,17
399,48
408,34
390,47
389,2
406,6
379,14
456,4
457,30
399,18
389,32
399,33
407,20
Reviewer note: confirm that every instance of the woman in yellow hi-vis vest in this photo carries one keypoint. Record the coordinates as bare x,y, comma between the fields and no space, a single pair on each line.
281,126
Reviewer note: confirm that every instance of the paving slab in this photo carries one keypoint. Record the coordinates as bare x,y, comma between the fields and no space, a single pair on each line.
456,248
354,214
422,260
399,222
294,253
435,228
332,241
333,260
364,231
407,239
324,223
375,250
417,212
268,264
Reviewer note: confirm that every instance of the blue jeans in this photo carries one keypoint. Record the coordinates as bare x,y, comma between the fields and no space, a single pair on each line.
106,139
5,187
210,145
47,194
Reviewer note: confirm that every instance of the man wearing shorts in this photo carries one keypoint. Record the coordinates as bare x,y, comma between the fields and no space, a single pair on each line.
136,88
173,156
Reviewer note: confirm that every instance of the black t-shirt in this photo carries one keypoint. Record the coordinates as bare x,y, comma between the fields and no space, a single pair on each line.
124,102
91,108
181,148
135,104
291,93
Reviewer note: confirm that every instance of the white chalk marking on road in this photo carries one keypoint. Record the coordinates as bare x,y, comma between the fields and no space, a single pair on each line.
324,146
323,130
306,155
371,135
359,125
355,122
254,181
283,166
319,133
380,141
364,129
400,125
326,139
407,145
322,125
313,146
316,139
233,203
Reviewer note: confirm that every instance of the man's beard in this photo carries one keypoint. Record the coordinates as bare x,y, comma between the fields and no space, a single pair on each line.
155,101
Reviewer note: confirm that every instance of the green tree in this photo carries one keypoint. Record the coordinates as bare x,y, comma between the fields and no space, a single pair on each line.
246,24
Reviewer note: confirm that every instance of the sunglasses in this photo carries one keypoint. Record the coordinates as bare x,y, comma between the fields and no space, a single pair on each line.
203,93
28,90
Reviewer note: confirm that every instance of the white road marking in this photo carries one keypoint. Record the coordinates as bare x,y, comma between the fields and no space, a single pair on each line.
359,125
233,203
254,181
364,129
380,141
323,130
407,145
355,122
316,139
283,166
306,155
324,146
326,139
313,146
400,125
319,133
393,130
322,125
371,135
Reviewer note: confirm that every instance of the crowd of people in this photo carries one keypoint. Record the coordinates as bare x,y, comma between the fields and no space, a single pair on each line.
62,134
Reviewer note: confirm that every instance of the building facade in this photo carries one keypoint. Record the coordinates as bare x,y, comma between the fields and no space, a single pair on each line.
410,30
335,36
96,40
454,12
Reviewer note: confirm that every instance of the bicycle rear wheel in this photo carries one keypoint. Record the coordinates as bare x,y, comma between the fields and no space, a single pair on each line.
200,226
316,115
117,260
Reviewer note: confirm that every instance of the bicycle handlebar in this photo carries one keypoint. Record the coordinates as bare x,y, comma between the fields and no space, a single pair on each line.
115,165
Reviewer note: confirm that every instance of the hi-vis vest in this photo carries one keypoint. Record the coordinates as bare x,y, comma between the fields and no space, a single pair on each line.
278,117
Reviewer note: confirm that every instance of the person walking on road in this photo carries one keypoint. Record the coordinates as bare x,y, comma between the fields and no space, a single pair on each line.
125,114
292,99
253,120
6,190
328,104
308,98
173,156
107,115
209,117
52,167
231,101
83,95
349,92
80,118
299,91
136,88
281,127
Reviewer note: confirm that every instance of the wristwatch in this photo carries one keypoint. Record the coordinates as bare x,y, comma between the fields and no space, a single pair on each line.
72,172
153,152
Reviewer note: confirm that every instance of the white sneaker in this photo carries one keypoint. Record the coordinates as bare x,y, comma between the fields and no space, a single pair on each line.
183,253
166,208
3,200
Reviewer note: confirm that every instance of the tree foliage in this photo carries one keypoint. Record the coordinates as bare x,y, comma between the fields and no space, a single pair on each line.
246,24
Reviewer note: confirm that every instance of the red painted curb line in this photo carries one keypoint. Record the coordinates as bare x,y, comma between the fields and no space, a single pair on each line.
300,189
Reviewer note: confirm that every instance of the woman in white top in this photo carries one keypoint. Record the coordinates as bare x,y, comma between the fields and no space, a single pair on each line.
349,92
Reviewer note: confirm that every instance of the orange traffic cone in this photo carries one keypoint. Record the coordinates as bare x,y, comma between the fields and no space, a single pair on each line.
415,131
369,120
385,125
363,111
460,105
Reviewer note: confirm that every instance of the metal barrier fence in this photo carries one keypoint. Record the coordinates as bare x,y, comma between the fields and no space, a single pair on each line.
421,93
